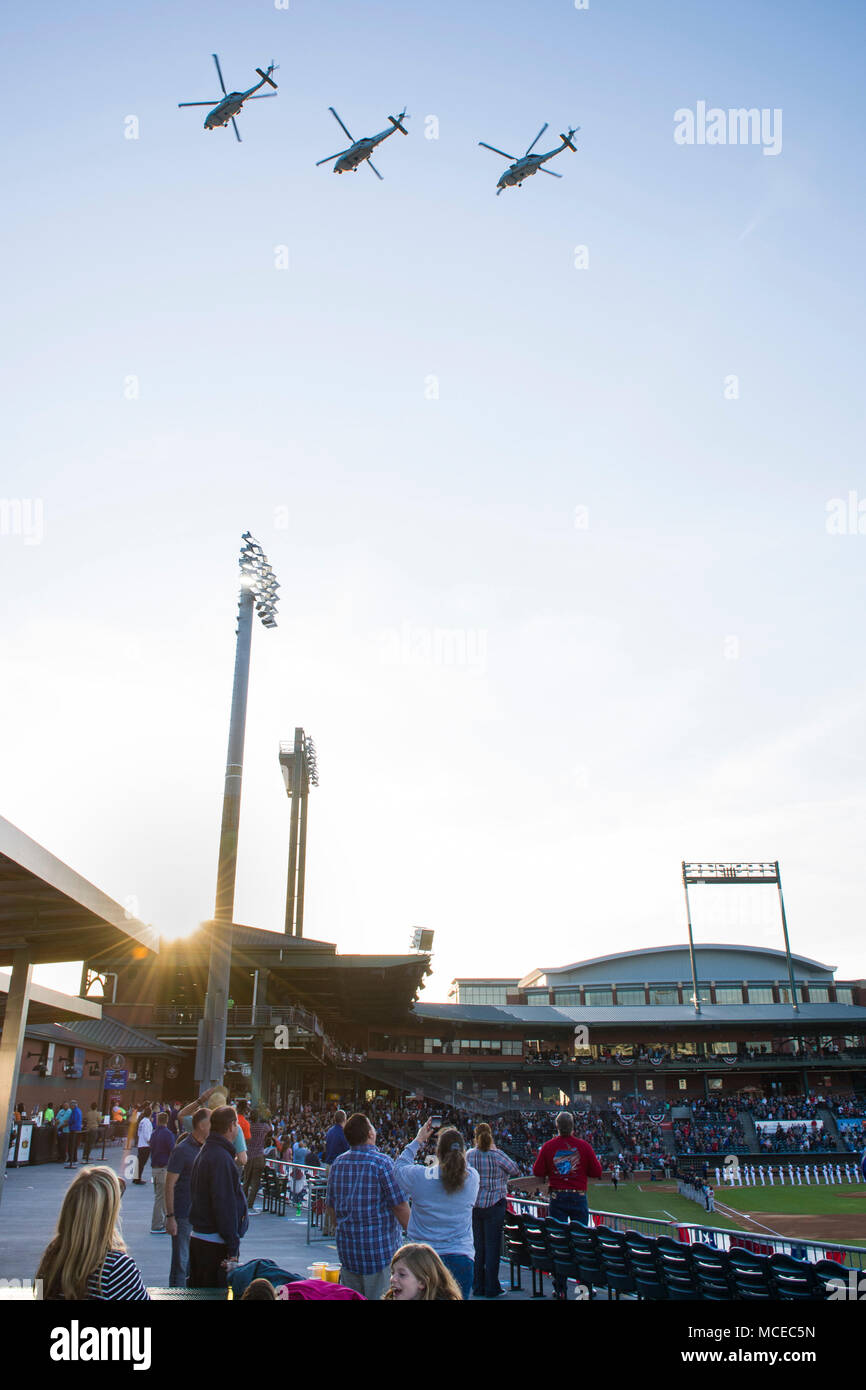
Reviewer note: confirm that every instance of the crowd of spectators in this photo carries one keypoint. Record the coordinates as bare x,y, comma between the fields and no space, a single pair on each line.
791,1108
847,1106
854,1138
714,1127
804,1138
637,1124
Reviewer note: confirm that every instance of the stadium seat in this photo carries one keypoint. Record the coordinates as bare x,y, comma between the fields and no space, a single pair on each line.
795,1279
590,1265
713,1272
643,1260
614,1253
540,1258
750,1275
564,1263
675,1262
824,1270
516,1249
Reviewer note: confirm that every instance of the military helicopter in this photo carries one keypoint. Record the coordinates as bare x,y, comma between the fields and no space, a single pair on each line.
232,102
360,150
529,163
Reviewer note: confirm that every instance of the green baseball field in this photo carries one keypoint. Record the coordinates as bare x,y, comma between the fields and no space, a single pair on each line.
832,1213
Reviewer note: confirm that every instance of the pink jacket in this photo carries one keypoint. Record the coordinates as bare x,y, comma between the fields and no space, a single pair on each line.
303,1289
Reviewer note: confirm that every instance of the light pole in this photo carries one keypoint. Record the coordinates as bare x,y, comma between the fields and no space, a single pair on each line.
258,592
300,771
761,871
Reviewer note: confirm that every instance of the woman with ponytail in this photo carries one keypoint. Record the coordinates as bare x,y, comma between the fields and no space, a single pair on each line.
443,1196
494,1168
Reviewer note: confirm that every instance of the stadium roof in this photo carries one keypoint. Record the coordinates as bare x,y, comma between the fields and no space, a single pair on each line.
660,950
847,1016
55,914
103,1035
49,1005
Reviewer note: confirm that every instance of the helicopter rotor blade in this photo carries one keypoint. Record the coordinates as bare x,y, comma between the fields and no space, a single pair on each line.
550,172
484,145
262,96
348,133
236,131
199,103
375,170
330,157
219,72
537,138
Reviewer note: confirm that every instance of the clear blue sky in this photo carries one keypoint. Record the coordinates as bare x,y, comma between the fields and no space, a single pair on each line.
681,677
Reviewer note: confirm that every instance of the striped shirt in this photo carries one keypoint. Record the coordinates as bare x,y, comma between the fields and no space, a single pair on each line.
120,1279
494,1168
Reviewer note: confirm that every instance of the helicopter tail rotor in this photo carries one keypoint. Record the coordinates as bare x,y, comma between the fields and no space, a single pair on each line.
396,121
266,76
566,139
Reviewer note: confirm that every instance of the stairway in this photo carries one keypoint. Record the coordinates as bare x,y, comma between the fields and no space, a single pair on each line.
753,1143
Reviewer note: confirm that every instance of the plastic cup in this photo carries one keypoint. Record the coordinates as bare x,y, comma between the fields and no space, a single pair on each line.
317,1269
332,1274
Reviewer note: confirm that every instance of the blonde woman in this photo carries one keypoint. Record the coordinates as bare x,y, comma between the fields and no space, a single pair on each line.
87,1258
419,1276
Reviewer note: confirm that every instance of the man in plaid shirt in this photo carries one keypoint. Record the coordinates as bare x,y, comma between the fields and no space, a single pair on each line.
369,1208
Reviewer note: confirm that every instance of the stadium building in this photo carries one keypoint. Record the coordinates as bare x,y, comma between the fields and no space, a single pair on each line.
307,1024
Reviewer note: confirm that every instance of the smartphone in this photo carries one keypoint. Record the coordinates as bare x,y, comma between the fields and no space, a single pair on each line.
436,1121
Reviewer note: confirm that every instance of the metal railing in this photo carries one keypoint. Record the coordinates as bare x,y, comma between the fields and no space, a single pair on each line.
242,1015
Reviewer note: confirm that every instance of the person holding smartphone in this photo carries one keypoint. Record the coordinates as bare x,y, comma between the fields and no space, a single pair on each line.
443,1197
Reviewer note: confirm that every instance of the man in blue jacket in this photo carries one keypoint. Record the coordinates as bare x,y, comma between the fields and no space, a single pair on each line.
76,1124
218,1211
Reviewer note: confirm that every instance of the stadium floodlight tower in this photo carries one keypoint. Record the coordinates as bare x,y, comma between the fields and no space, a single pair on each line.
765,871
258,593
300,769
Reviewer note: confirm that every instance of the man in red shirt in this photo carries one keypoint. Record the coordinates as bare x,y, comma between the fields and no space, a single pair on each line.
565,1163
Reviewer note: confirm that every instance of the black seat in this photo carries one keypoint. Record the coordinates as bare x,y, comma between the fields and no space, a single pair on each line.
540,1258
565,1265
675,1262
614,1252
750,1275
584,1249
643,1260
795,1280
712,1271
516,1249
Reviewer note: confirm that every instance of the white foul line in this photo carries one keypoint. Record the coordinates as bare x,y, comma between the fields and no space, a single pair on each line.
730,1211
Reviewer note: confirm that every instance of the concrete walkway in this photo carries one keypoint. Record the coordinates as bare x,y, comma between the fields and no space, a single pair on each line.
32,1197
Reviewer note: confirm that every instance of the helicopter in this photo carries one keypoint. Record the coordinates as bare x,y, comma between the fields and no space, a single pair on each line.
232,102
360,150
529,163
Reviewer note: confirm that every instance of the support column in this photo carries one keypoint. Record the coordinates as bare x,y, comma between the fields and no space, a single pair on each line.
256,1080
11,1044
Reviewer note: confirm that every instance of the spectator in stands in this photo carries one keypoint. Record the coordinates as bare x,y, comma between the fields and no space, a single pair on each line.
494,1168
92,1121
419,1276
443,1197
218,1210
178,1196
75,1125
565,1164
336,1143
87,1258
259,1132
161,1145
144,1133
367,1207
